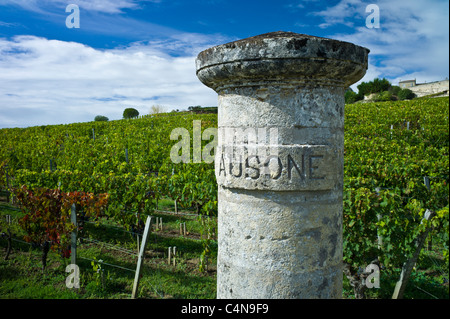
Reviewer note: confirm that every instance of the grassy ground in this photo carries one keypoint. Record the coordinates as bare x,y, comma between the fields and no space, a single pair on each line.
21,276
429,280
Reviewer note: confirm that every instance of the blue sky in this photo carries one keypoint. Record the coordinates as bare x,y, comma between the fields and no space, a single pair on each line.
139,53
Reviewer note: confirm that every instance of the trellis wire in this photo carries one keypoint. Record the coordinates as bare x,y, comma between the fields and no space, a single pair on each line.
121,249
108,264
115,227
426,292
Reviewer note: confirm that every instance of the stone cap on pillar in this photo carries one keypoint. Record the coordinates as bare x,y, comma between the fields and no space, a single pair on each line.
280,57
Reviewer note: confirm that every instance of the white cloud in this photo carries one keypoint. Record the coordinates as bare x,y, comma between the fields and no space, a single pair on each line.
293,7
341,12
105,6
7,24
412,41
49,81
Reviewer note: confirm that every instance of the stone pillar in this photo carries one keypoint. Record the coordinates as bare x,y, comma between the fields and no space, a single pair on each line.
279,162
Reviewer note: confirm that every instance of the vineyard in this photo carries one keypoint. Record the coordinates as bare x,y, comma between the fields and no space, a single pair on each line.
118,172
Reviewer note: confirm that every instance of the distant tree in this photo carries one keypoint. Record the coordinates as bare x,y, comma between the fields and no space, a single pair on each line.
379,86
363,88
130,113
375,86
194,108
350,96
406,94
395,89
383,96
99,118
156,109
199,109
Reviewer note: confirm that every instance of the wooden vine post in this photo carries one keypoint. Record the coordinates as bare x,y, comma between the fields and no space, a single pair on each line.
409,264
141,258
73,247
171,255
8,237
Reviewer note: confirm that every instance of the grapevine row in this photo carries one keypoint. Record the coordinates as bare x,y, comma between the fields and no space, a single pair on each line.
389,148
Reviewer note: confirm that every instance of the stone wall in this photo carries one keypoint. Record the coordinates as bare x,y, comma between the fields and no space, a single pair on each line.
423,89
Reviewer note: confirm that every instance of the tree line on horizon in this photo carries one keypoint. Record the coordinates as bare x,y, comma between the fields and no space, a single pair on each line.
130,113
383,89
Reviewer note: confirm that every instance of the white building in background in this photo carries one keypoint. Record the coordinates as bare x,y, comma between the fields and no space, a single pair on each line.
422,89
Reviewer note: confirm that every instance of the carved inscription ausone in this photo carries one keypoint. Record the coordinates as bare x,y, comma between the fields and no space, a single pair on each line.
294,167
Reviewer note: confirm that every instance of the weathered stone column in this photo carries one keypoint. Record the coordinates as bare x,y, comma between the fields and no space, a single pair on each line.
279,162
